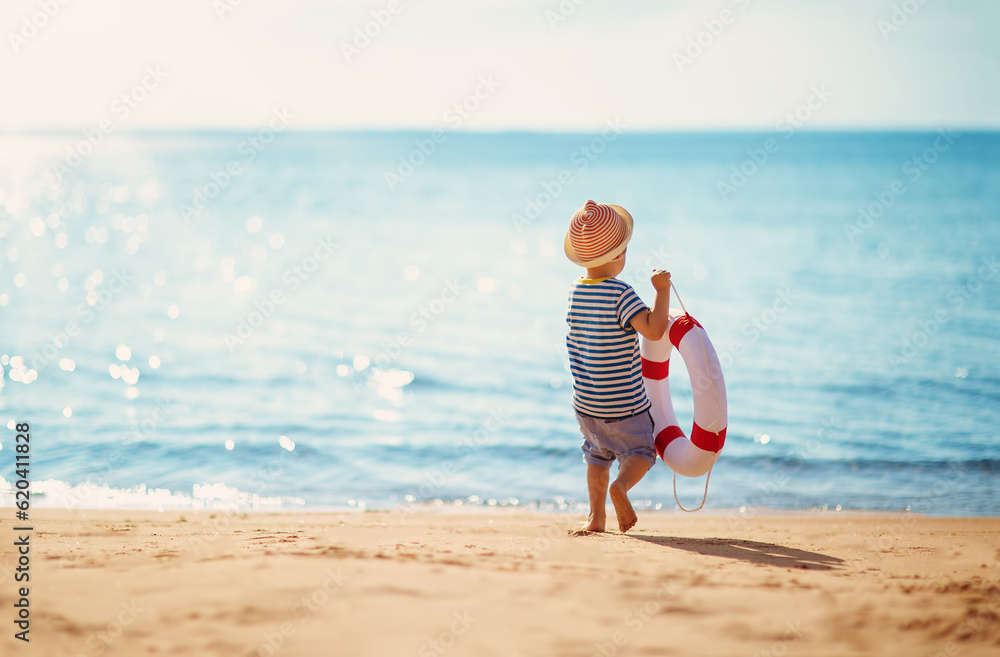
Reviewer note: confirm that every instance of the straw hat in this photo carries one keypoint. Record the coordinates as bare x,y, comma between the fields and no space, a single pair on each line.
598,234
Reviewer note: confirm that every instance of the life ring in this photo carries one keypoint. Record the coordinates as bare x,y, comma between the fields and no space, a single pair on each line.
694,456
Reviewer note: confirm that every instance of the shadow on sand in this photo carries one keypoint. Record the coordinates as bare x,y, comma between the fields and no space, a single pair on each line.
752,551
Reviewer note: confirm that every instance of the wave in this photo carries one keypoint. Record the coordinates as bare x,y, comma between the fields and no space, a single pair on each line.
56,494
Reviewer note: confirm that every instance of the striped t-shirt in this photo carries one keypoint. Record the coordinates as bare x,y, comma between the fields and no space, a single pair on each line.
604,349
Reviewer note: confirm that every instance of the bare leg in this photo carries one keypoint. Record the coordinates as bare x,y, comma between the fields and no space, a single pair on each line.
630,472
597,485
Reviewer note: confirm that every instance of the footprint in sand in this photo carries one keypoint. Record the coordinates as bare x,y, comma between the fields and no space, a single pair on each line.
582,532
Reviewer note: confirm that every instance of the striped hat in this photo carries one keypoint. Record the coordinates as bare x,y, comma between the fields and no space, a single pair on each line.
598,234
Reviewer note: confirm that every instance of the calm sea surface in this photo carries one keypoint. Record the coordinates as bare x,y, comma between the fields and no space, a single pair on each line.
191,320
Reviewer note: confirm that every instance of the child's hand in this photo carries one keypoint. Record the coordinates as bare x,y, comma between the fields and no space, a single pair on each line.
660,279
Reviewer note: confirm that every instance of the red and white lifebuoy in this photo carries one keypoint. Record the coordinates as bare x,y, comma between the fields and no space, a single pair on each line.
695,456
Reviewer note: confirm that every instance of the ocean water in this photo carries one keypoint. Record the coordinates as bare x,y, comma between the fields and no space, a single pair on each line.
345,321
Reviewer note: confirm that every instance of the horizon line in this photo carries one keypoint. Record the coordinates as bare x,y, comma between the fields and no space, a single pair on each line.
165,130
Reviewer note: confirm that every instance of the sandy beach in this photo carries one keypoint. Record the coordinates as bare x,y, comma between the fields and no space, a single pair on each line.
504,582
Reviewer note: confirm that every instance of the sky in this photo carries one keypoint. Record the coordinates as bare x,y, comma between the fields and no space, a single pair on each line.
564,65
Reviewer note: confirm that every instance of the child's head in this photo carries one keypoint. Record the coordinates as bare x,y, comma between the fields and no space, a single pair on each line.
598,235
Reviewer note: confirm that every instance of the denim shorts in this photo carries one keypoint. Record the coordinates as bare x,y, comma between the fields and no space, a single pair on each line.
607,440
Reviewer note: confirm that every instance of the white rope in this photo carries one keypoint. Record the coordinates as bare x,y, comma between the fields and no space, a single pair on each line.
704,497
704,351
679,297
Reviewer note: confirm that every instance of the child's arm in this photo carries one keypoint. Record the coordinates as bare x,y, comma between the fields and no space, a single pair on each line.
653,323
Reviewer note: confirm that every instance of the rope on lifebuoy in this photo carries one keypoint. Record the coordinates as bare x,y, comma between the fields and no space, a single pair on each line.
704,497
708,477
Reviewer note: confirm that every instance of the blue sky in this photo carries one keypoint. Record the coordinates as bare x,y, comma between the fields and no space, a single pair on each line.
231,63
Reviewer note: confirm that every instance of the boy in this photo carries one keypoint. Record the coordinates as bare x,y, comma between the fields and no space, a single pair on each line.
608,392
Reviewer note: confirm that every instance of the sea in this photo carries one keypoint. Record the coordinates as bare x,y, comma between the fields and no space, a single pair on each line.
375,321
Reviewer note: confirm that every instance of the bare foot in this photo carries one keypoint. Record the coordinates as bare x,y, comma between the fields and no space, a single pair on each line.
595,523
623,508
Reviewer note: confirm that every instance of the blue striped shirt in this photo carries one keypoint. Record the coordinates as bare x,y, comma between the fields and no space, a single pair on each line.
604,348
